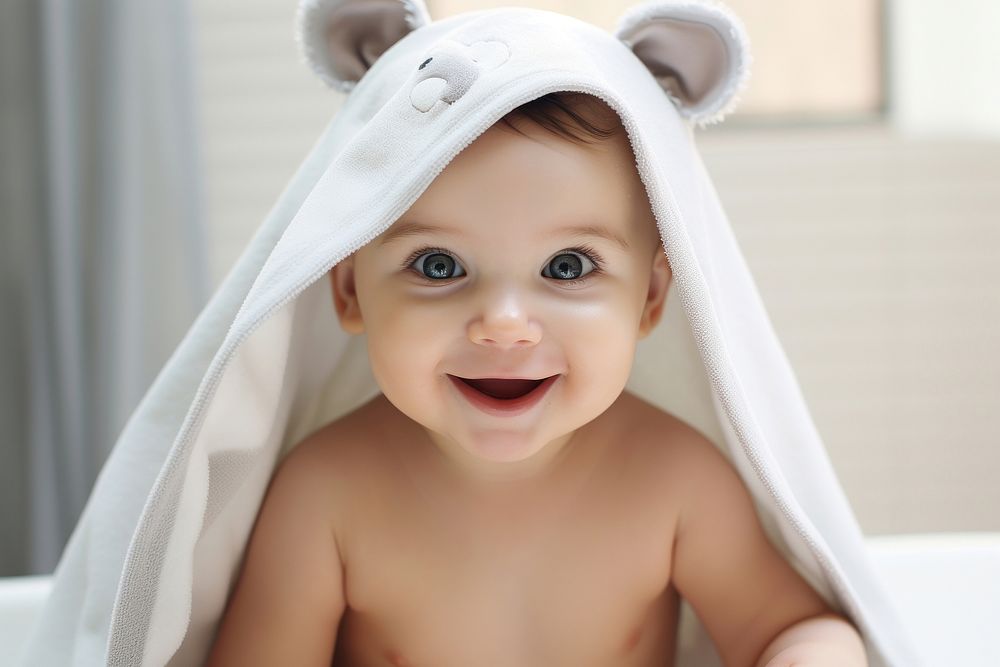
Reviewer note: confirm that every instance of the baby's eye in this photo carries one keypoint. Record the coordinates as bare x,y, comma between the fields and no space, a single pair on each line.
568,266
434,264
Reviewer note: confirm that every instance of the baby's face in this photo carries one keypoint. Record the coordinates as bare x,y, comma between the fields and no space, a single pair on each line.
528,257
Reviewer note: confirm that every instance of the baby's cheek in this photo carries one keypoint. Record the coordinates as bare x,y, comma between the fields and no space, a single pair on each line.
600,348
605,319
405,348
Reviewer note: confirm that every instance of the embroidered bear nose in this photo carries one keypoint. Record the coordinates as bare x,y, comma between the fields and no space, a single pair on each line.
456,66
427,93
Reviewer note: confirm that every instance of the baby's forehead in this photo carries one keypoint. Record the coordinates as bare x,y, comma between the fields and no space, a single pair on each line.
588,149
548,164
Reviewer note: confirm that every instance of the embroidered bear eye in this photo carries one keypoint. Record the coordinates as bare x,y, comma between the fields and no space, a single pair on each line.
424,64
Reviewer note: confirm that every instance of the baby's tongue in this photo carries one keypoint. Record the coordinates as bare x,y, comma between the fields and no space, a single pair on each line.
504,388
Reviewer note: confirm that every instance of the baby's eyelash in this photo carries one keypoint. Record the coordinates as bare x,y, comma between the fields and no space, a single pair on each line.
592,255
594,258
417,253
583,249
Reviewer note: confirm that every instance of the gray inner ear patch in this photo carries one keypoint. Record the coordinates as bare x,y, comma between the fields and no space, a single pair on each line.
688,59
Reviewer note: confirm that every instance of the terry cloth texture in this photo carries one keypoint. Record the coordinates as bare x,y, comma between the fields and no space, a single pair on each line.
145,575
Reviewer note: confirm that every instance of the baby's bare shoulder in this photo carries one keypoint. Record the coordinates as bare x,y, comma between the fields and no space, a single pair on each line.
333,458
723,563
346,441
664,440
663,455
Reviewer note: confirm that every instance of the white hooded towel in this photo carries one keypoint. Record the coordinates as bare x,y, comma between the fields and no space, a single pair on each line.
145,576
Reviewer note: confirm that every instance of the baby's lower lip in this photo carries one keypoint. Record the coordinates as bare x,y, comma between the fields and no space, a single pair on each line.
503,407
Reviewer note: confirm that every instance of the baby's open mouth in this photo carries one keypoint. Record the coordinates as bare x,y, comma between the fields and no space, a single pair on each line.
503,397
504,389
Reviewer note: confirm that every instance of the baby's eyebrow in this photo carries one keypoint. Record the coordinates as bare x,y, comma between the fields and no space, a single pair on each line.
402,229
412,228
592,231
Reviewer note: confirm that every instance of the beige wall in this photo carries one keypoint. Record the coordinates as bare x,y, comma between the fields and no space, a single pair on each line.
878,259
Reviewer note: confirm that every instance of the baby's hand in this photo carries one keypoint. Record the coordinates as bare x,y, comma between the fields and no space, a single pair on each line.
815,655
827,640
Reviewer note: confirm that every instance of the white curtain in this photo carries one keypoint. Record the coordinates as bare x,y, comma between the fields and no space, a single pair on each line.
103,264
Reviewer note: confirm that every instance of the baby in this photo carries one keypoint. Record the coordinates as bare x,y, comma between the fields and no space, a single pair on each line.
504,500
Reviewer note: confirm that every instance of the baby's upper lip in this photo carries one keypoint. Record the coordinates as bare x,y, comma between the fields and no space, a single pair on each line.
504,376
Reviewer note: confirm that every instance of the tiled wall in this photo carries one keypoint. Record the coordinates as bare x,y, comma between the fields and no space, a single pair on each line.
879,262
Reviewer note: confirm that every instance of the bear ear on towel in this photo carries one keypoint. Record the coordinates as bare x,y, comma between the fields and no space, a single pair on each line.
698,52
341,39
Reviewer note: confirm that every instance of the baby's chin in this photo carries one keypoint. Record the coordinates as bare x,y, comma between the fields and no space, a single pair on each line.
494,452
506,450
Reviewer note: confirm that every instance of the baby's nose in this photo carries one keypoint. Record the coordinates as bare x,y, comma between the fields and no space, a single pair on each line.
505,323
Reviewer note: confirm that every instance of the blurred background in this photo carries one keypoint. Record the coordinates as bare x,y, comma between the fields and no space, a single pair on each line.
142,143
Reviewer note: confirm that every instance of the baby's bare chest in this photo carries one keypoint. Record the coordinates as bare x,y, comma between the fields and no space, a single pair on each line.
586,583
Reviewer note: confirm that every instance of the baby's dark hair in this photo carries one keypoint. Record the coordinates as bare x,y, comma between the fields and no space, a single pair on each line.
559,112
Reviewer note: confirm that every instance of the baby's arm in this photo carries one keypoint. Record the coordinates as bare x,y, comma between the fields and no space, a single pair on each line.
755,606
289,599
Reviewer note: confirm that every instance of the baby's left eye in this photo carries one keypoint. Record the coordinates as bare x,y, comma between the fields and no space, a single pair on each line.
569,265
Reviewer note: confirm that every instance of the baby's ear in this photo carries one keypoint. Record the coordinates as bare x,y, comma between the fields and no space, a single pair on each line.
345,296
660,278
341,39
698,52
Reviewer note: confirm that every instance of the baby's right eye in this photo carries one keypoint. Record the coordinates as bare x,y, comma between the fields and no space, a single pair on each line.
434,264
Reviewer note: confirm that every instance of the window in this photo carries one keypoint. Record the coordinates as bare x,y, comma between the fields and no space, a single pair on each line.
813,59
